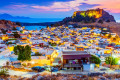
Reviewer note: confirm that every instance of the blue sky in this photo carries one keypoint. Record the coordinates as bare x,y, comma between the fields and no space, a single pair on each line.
56,8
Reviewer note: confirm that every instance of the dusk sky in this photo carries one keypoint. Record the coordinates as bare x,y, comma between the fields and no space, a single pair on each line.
56,8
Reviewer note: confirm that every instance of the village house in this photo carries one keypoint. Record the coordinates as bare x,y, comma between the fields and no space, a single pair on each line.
75,59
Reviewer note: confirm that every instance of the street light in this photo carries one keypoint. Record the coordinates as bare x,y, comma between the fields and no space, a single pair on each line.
33,62
119,62
114,56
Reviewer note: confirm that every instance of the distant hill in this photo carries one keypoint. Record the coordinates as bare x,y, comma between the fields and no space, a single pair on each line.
8,16
8,25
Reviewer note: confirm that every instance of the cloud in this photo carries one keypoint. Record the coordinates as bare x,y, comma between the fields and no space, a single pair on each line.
60,6
17,6
109,5
72,5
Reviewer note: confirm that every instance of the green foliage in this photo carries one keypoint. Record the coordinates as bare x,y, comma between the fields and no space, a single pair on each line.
109,36
21,31
18,23
38,54
80,18
100,21
9,43
85,19
15,50
52,44
112,61
24,64
12,39
16,35
4,72
14,28
24,53
3,31
95,59
27,52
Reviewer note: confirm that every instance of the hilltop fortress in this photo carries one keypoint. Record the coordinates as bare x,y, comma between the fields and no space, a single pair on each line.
97,13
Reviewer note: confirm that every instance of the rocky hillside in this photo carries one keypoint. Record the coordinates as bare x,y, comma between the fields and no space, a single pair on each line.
96,13
5,24
90,16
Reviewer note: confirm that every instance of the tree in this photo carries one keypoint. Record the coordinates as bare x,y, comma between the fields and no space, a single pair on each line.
3,31
15,50
109,36
16,35
18,23
4,72
38,54
112,61
24,53
100,21
21,53
14,28
95,59
27,52
52,25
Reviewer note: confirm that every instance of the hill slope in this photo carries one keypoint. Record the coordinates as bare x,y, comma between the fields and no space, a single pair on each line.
5,24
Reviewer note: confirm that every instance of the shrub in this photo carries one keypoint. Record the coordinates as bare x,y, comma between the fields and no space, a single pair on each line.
4,72
18,23
16,35
38,54
12,39
95,59
14,28
24,65
100,21
112,61
9,43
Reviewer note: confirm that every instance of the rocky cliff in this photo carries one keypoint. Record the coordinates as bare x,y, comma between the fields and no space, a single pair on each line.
5,24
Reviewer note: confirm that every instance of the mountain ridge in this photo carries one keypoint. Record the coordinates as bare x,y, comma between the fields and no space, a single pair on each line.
8,16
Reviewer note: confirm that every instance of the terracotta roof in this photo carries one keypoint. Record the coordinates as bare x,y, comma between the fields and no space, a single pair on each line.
9,32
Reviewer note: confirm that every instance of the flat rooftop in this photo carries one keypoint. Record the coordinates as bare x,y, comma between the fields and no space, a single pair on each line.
74,52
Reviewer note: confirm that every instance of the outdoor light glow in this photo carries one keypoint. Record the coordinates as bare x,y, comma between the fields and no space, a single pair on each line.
33,62
114,56
119,62
90,13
